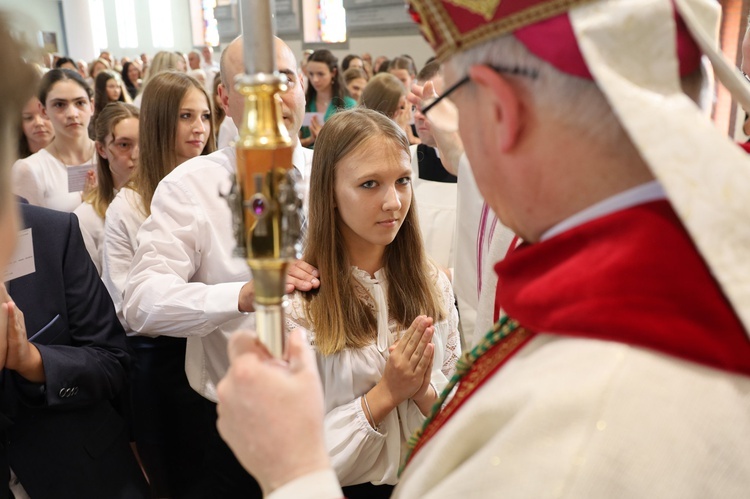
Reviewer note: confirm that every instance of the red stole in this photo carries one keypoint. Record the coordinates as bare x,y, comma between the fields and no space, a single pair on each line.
633,277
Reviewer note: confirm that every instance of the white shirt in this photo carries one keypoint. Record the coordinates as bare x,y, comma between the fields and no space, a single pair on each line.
211,71
436,210
121,223
359,453
92,229
227,133
184,280
43,180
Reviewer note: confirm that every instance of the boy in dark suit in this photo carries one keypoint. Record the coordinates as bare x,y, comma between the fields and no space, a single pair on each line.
66,362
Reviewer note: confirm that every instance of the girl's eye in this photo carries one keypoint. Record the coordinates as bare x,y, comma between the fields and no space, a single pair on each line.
206,116
185,116
369,184
404,181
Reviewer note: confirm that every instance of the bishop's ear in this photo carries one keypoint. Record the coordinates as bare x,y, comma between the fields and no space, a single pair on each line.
501,106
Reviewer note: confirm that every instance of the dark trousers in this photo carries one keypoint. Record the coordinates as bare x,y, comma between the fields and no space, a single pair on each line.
175,430
368,491
168,417
222,475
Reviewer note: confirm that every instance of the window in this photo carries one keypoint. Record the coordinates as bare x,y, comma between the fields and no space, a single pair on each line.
323,21
204,23
126,30
162,33
97,24
332,16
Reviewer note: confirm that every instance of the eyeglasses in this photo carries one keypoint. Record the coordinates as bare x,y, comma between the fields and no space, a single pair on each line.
529,73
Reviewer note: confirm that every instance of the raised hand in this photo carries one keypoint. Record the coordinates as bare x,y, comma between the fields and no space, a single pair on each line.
406,366
21,355
315,127
90,184
409,362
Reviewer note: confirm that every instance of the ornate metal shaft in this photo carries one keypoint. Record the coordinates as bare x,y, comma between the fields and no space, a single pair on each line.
268,205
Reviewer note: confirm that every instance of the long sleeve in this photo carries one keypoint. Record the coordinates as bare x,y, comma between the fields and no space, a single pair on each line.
121,225
164,294
355,447
358,452
184,280
84,351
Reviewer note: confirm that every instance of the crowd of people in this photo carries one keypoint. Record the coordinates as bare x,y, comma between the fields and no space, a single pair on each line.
528,207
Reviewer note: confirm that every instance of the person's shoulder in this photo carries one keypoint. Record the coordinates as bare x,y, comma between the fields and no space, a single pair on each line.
349,102
39,157
201,166
126,195
439,276
84,209
86,214
37,216
125,199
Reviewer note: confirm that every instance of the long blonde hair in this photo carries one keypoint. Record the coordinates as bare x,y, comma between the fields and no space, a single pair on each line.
158,128
340,318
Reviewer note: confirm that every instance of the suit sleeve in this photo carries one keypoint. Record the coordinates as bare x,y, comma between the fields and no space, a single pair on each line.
93,364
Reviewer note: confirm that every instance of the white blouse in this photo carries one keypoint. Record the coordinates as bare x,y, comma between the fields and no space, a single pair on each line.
92,229
121,223
43,180
359,453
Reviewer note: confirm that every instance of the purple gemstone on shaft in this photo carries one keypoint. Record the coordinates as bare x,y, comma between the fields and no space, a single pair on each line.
258,207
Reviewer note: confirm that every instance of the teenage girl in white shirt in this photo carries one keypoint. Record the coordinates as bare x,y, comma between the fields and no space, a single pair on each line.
116,135
383,322
42,178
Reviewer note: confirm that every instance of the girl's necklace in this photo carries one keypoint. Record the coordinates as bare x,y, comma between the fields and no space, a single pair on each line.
59,156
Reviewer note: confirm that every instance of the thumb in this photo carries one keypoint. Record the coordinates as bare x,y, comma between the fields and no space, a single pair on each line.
243,342
428,91
299,355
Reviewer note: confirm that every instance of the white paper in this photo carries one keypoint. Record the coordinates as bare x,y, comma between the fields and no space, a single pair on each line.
22,262
308,118
77,177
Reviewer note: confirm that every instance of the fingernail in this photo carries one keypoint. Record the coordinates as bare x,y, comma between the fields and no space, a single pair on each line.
315,282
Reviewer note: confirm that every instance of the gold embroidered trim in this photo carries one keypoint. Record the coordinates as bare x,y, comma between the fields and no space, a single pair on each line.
485,8
455,40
